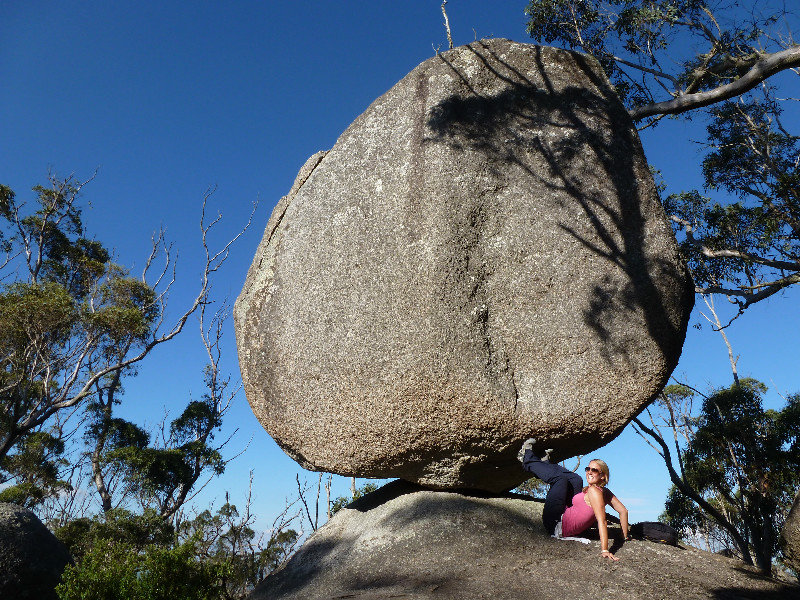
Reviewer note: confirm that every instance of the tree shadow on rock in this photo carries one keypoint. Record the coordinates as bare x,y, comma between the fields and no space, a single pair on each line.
513,129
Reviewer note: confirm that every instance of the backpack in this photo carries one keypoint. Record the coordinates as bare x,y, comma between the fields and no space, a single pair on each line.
655,532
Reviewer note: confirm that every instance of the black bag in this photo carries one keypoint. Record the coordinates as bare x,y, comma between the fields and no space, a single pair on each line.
655,532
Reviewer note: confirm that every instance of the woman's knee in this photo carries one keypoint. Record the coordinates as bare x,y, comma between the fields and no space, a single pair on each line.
547,472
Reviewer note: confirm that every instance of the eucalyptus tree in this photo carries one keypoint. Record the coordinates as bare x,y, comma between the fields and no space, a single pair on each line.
672,56
161,472
72,321
735,466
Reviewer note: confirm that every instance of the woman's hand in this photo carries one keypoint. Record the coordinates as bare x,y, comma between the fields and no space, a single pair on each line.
608,554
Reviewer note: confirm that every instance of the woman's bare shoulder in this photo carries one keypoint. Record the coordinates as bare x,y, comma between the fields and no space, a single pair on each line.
593,489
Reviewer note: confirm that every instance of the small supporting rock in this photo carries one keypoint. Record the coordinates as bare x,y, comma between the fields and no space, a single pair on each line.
403,541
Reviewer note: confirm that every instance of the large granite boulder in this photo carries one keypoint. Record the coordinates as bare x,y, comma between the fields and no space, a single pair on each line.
481,258
404,542
790,536
31,558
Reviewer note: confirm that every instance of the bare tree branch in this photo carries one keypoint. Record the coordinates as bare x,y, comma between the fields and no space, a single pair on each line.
690,492
765,68
447,26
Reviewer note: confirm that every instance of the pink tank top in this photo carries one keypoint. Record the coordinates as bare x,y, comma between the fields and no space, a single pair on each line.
578,517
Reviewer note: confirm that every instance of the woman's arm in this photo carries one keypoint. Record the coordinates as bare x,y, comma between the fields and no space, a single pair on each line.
597,500
623,513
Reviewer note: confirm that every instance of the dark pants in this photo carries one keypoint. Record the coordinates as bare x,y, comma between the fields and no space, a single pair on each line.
564,484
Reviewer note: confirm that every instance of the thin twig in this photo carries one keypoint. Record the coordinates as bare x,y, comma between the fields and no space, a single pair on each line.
447,26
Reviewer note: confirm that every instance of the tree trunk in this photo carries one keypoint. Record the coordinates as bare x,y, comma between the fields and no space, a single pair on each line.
99,446
106,406
691,493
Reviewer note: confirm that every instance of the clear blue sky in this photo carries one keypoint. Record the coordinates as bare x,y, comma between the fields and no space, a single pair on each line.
167,99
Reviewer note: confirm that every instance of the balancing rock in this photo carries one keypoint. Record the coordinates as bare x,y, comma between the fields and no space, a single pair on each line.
481,258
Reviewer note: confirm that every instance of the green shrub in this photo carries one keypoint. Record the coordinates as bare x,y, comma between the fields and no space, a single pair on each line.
111,570
107,571
120,526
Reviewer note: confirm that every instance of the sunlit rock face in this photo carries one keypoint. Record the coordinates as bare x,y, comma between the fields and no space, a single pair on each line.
480,258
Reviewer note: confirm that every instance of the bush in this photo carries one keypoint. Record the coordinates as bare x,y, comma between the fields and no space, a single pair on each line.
137,531
117,570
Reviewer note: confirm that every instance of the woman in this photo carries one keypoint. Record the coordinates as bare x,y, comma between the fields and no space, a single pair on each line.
569,508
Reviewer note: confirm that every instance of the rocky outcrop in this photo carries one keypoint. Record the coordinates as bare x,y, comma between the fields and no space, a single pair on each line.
481,258
31,558
790,536
404,542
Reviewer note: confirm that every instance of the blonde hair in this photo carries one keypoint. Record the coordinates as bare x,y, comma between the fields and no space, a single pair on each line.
603,469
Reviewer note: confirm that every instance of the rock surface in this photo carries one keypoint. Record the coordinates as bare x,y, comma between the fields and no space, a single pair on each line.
404,542
790,536
480,258
31,558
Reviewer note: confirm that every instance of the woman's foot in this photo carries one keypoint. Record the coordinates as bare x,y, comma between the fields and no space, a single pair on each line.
528,445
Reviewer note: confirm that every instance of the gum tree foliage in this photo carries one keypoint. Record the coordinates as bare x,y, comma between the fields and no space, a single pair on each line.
747,249
533,487
228,538
341,501
68,316
723,61
72,324
161,473
115,570
735,467
160,477
120,554
673,56
136,531
36,468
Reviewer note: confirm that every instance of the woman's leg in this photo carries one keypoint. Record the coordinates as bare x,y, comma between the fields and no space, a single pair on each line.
564,484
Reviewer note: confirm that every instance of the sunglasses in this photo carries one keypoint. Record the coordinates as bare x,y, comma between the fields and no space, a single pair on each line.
593,470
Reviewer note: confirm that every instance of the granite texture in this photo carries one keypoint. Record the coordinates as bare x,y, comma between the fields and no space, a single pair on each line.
790,536
481,258
405,542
